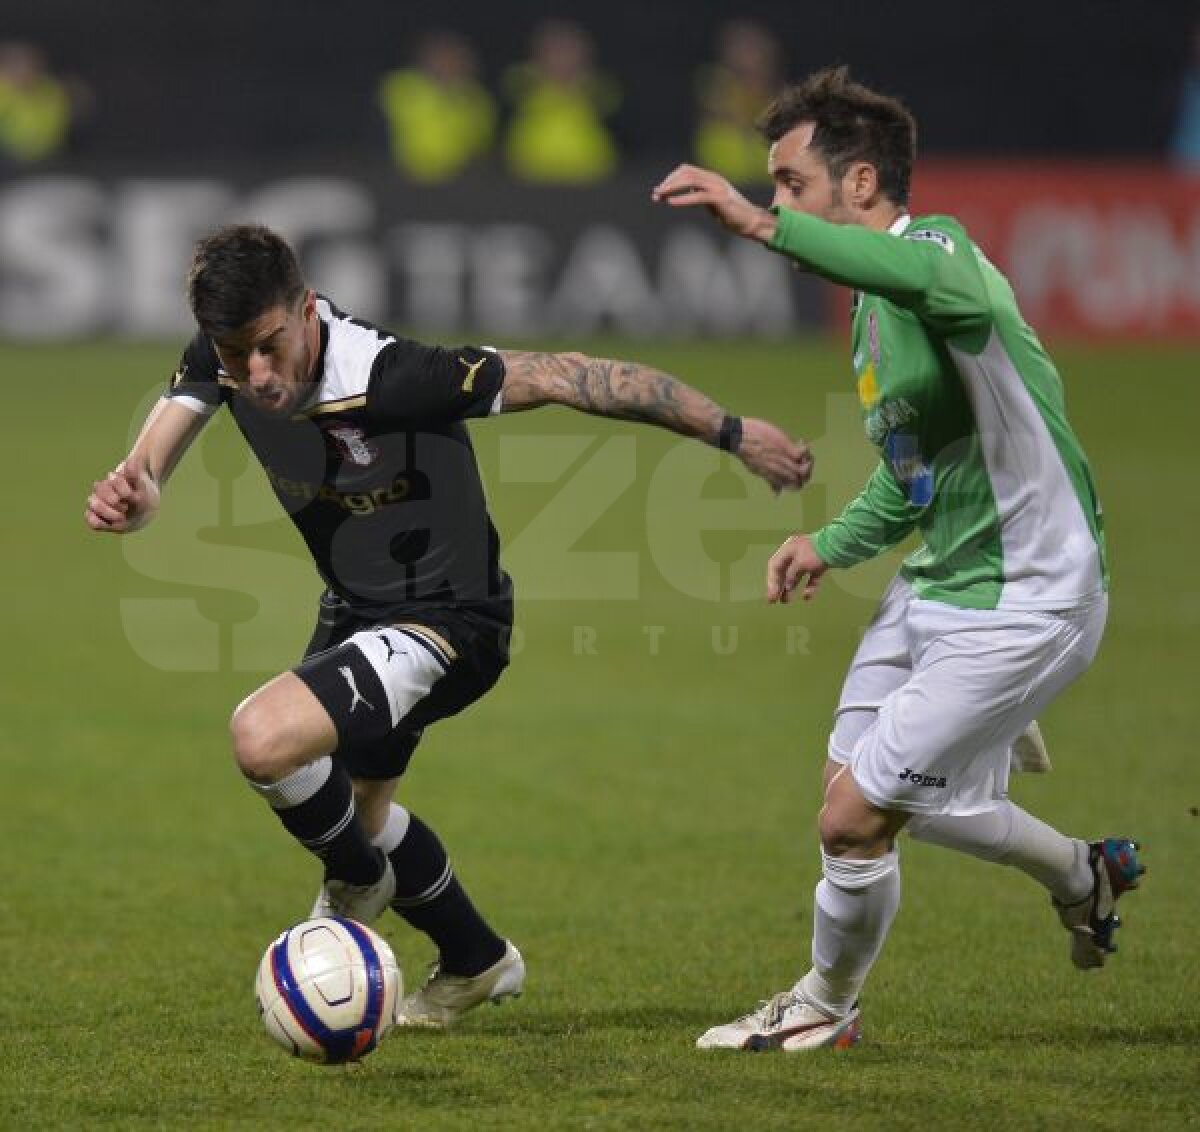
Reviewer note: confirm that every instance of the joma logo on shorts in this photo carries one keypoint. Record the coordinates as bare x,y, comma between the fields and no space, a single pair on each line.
923,779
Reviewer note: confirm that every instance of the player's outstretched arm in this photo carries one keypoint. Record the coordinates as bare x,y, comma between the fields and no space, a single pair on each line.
689,186
633,392
934,271
129,496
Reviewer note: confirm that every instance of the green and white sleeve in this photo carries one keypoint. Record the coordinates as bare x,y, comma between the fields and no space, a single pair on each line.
874,521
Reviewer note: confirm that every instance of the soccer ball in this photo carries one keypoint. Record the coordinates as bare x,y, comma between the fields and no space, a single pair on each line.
327,990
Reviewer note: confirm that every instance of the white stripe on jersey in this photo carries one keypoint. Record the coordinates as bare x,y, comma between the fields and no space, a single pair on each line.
349,354
1051,560
194,403
497,406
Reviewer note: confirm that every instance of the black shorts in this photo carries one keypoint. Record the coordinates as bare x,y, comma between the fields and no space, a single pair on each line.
461,653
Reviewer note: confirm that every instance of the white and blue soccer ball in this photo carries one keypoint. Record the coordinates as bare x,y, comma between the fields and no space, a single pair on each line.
327,990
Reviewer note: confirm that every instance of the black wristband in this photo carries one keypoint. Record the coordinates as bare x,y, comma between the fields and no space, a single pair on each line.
729,439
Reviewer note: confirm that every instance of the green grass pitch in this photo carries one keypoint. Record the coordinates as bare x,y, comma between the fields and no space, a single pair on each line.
634,804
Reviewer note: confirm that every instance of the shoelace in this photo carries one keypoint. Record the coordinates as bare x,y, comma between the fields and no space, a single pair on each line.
776,1006
435,973
431,973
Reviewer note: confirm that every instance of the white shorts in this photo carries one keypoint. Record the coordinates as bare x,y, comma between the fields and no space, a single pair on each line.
936,695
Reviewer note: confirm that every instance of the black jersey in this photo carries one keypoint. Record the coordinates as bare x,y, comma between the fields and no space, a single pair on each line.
375,468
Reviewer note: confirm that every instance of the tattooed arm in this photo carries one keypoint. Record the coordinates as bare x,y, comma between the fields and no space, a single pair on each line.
624,390
633,392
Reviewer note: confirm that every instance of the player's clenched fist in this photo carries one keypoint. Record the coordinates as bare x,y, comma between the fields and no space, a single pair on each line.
769,452
124,500
796,559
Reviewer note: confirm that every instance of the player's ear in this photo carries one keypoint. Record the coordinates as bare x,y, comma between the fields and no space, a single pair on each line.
308,307
861,184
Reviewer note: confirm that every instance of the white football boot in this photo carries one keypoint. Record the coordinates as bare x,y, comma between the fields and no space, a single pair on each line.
362,902
789,1022
444,998
1029,754
1093,921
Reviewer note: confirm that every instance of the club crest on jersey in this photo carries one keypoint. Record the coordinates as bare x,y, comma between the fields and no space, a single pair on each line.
352,443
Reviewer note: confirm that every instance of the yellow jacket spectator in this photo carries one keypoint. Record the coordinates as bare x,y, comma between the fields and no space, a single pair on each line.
440,119
35,108
558,134
732,93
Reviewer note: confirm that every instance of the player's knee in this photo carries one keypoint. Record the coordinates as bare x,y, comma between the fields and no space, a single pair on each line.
258,747
844,832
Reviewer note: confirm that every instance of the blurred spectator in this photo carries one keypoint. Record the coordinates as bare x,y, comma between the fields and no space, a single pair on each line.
440,119
1185,141
732,92
35,107
558,134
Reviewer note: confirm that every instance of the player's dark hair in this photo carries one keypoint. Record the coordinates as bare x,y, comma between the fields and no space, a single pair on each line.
239,272
853,123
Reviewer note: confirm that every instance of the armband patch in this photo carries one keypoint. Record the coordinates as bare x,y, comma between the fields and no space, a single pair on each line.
933,236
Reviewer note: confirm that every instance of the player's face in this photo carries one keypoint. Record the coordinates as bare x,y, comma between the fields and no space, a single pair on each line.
272,358
802,179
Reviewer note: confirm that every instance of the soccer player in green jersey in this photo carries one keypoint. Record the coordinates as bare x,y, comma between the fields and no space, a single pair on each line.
999,610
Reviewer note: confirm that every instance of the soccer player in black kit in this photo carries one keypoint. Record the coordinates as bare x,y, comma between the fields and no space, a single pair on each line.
360,434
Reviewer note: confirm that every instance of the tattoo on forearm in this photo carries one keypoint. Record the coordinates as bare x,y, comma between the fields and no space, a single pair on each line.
625,390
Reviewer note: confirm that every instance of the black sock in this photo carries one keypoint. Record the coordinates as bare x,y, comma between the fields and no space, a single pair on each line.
430,898
327,825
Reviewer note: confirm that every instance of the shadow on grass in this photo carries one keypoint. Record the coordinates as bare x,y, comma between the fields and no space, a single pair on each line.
512,1022
1183,1034
658,1018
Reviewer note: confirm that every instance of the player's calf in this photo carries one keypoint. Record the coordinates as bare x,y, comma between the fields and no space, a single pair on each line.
281,736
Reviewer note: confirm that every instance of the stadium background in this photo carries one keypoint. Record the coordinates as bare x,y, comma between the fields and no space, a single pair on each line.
634,802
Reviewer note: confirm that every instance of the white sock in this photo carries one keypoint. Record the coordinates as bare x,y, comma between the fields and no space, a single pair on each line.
853,910
394,829
296,787
1010,835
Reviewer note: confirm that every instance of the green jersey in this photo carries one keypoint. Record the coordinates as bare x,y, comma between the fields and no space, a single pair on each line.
968,413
